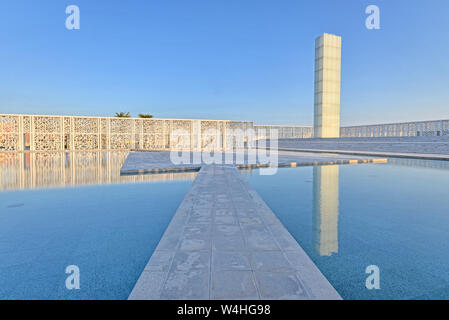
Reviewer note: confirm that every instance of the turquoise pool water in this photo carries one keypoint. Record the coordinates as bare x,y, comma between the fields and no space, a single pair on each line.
105,224
394,216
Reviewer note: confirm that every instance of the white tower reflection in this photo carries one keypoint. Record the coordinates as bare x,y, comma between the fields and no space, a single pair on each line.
325,209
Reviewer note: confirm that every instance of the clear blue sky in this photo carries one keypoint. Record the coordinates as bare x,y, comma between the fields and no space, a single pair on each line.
223,59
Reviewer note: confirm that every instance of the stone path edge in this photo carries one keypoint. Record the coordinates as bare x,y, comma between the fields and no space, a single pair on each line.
374,154
255,166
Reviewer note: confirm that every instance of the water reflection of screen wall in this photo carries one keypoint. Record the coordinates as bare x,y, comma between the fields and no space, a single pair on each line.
59,169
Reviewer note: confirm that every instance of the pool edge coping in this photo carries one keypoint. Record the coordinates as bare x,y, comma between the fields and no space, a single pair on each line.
423,156
256,166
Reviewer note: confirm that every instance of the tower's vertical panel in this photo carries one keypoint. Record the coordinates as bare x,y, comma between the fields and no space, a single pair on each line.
327,86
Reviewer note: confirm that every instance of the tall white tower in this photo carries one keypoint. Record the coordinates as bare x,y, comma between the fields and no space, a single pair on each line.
327,86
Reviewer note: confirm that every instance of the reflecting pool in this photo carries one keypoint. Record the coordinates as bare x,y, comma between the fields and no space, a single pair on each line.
394,216
62,209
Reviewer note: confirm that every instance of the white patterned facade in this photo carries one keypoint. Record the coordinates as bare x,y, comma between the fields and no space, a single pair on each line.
284,132
74,133
406,129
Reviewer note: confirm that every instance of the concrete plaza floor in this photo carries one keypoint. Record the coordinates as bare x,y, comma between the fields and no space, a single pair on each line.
431,148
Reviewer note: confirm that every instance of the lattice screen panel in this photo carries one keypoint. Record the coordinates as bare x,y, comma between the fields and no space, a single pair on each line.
56,133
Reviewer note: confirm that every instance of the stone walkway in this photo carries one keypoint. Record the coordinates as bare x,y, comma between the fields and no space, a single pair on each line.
224,242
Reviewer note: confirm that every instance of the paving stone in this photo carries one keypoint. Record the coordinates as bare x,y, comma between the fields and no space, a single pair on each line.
234,242
258,237
225,211
283,238
270,261
169,241
226,220
148,286
233,285
230,261
190,285
184,261
251,220
196,237
199,219
195,244
280,286
160,261
226,231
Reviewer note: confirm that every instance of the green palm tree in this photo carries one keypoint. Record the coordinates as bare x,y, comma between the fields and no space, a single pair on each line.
145,116
122,115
